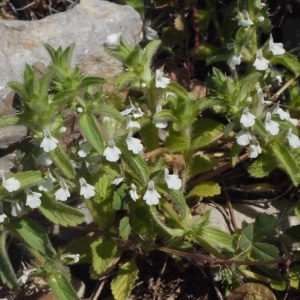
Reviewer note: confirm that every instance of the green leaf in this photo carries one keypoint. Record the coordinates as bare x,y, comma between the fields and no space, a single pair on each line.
87,81
135,163
33,235
89,127
61,287
295,276
214,236
201,164
201,222
205,189
246,237
209,103
262,166
122,284
109,111
287,160
176,142
265,251
241,38
124,228
103,254
165,115
234,153
264,225
59,213
7,273
288,60
149,51
62,161
118,198
20,89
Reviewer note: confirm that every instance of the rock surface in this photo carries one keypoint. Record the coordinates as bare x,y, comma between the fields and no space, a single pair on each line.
92,25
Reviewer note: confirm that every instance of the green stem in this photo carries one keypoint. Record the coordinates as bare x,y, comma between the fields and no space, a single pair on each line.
253,37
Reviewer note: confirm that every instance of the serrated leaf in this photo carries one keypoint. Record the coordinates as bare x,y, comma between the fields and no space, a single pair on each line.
205,189
89,127
7,273
61,287
124,228
264,251
264,224
287,160
62,161
122,284
59,213
32,235
136,163
262,166
103,254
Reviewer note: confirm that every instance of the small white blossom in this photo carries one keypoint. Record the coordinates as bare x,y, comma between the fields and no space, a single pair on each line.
133,194
47,185
276,48
86,190
137,112
75,257
11,184
243,137
293,121
24,277
293,139
160,122
173,181
63,193
33,199
63,129
271,126
160,80
43,160
245,21
151,34
49,143
3,216
247,119
261,98
132,124
117,181
85,149
17,209
234,60
260,19
133,144
260,62
284,115
79,110
254,149
151,196
143,84
112,153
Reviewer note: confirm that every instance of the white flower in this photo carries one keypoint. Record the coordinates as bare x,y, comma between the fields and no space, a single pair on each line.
49,143
79,109
43,160
260,62
234,60
151,196
271,126
33,199
137,112
134,144
86,190
63,193
160,122
63,129
3,216
293,139
245,21
243,137
85,149
47,185
133,194
117,181
276,48
173,181
24,277
293,121
11,184
160,81
17,208
151,34
284,115
75,257
247,119
112,153
261,98
254,149
260,19
132,124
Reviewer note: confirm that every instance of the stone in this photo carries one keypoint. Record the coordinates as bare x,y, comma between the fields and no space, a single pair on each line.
91,24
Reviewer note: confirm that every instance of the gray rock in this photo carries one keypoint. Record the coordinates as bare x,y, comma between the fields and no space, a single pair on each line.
92,25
